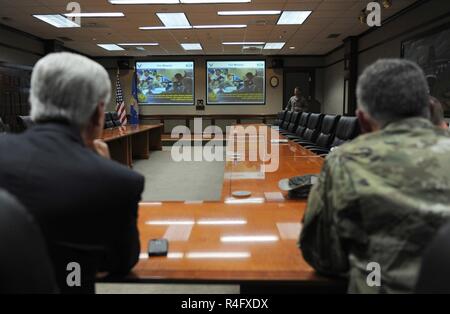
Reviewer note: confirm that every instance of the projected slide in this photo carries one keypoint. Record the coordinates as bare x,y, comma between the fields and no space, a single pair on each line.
236,82
165,83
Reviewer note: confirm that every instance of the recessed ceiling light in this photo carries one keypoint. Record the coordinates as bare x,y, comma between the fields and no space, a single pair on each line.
144,1
293,17
138,44
261,12
174,19
292,48
101,14
243,43
274,46
56,20
221,26
192,46
215,1
110,47
153,28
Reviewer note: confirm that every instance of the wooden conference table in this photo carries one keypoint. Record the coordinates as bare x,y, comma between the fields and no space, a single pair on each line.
132,142
251,242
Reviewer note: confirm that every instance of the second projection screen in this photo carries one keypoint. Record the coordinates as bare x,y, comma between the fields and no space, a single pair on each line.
236,82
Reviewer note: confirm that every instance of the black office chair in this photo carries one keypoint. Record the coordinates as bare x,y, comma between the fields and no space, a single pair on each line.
302,124
25,266
326,134
287,120
108,121
115,119
293,123
3,126
312,129
280,118
434,276
24,123
347,129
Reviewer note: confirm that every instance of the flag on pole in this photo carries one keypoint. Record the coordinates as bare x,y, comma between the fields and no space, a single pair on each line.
120,103
134,114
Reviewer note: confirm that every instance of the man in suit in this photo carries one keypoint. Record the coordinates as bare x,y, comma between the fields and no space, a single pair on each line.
85,204
25,266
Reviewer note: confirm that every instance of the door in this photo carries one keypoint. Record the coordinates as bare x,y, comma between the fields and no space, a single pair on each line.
303,79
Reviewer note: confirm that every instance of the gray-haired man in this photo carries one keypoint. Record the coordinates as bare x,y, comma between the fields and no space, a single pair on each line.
85,204
380,199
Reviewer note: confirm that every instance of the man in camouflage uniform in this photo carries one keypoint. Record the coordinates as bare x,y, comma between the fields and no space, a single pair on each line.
381,198
297,102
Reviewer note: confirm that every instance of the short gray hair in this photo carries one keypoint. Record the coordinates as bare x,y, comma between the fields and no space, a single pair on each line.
393,89
67,86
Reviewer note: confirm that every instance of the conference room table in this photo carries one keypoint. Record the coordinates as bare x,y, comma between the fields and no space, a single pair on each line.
251,242
130,142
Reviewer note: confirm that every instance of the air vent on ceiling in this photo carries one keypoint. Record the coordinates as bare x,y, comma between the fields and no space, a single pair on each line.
334,35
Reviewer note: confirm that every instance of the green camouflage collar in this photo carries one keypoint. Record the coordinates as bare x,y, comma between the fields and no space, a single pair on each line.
410,123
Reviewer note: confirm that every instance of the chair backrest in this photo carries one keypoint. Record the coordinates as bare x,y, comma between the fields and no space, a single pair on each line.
87,257
346,130
115,118
25,266
292,126
302,124
313,127
325,137
287,120
280,117
24,122
108,120
3,127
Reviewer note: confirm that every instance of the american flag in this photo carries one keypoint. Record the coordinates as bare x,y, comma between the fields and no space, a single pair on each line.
120,104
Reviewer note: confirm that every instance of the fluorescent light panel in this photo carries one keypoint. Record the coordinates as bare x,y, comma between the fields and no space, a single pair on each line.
256,12
176,1
214,1
274,46
56,20
193,46
293,17
230,43
144,1
100,14
174,19
153,28
139,44
221,26
110,47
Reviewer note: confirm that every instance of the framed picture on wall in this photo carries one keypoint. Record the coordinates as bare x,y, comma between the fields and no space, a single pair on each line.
431,51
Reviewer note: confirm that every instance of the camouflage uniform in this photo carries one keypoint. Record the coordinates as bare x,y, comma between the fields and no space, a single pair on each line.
380,198
297,104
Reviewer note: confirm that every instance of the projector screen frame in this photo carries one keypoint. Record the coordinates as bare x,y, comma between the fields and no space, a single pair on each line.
170,61
236,104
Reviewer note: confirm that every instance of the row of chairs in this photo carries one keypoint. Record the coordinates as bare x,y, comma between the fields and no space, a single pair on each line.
316,131
112,120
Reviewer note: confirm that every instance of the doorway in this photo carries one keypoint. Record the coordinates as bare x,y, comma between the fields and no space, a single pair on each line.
303,79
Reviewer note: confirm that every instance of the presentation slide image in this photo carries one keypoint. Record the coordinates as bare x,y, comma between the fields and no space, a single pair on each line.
236,82
170,83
